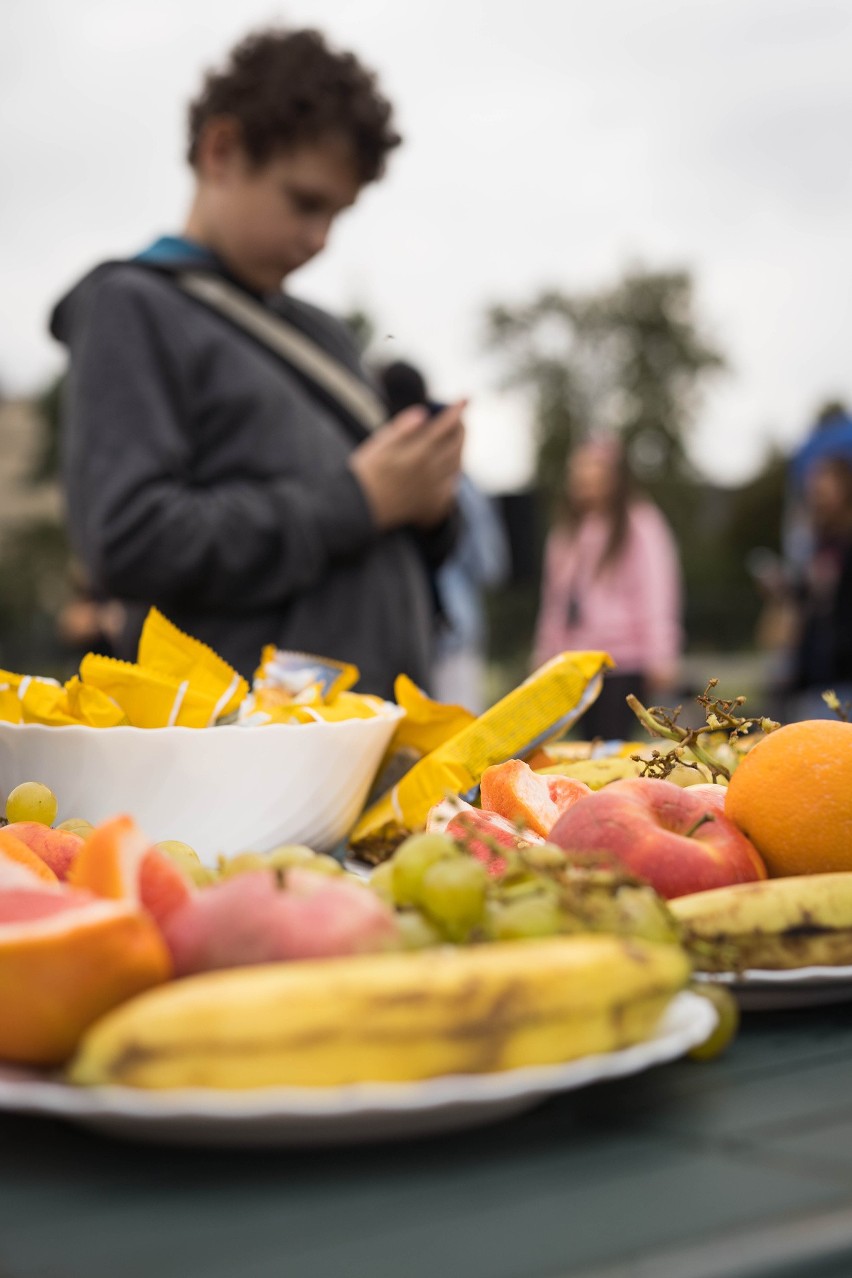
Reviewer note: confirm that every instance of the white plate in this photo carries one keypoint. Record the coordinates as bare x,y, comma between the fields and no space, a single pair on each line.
302,1116
760,990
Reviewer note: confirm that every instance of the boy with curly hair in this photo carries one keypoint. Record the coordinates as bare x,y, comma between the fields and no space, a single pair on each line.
219,454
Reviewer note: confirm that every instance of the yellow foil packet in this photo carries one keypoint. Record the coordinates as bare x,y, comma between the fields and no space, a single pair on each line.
92,706
427,723
298,687
11,710
540,709
166,650
40,699
294,672
149,699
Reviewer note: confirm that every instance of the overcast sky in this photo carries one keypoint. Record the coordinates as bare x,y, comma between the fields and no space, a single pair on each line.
547,143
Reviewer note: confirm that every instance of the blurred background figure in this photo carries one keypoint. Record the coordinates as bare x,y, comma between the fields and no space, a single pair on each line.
479,562
822,653
830,436
611,580
805,627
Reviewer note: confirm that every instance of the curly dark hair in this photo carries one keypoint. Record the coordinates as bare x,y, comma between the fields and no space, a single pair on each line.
288,87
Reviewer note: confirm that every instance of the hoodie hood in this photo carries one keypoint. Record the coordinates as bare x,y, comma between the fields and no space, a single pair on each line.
170,254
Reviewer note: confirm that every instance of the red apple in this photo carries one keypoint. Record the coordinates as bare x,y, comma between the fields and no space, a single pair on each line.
674,838
711,792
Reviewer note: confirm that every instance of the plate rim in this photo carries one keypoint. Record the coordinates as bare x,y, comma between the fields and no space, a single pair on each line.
779,977
687,1020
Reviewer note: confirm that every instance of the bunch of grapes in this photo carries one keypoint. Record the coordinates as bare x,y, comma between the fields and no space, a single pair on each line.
442,893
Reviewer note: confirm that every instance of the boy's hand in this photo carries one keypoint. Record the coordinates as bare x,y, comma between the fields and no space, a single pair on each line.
409,468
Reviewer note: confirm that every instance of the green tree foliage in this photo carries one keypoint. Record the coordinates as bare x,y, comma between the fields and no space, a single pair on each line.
35,562
635,358
631,357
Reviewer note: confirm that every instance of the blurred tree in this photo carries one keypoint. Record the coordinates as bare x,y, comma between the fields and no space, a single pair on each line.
634,358
47,404
35,562
630,358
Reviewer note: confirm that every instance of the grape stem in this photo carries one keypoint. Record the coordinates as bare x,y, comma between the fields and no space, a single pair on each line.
720,716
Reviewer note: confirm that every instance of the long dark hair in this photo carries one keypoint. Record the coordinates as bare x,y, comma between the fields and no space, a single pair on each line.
624,495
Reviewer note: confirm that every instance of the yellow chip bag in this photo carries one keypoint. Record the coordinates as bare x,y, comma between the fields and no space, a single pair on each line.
11,710
33,699
294,672
540,709
93,707
427,723
149,699
45,701
166,650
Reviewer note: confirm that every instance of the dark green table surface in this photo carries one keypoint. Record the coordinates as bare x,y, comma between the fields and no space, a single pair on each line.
738,1167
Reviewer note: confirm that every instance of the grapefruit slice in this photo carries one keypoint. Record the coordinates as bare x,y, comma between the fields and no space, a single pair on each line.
514,791
66,958
119,863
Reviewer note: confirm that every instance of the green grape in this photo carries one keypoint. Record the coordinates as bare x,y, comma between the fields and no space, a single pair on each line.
642,913
381,882
726,1027
242,863
416,932
76,825
322,863
544,856
413,858
524,916
287,855
188,860
452,892
31,801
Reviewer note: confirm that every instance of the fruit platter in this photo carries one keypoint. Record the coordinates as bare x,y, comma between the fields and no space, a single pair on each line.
511,914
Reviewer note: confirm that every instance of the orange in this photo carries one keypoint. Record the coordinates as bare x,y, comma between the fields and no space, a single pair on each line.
66,958
118,862
14,849
791,794
514,791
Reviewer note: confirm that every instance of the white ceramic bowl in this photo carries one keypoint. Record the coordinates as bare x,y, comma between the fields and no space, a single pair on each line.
221,790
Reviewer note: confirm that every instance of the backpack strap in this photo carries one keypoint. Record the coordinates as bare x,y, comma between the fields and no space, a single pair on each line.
334,379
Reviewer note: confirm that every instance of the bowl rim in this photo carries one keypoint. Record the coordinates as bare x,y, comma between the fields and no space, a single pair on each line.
390,713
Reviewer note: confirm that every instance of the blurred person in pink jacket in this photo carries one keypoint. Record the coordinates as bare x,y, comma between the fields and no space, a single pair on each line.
612,582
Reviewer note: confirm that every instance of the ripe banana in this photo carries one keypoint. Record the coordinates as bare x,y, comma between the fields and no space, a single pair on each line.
387,1017
801,921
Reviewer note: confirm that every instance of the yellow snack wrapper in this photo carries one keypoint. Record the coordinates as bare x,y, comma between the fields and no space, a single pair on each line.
427,723
11,710
309,707
166,650
44,701
294,672
149,699
298,687
39,700
540,709
92,706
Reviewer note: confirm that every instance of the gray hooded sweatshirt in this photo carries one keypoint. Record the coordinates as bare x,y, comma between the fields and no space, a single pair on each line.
204,475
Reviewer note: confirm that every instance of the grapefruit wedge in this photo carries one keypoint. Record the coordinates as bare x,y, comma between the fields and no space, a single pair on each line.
118,862
65,959
518,794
